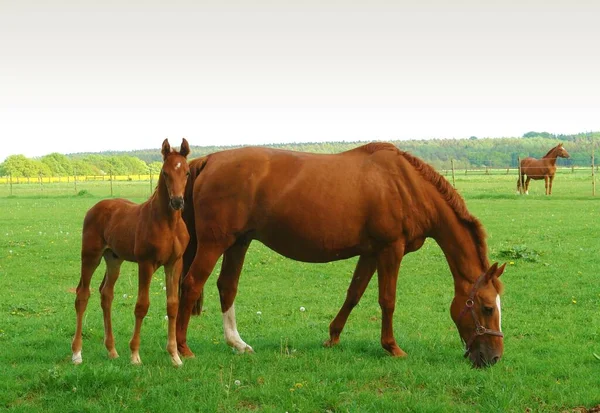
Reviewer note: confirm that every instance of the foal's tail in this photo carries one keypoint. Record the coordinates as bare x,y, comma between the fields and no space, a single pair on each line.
196,166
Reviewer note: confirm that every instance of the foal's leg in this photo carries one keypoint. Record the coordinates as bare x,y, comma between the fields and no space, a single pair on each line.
192,287
172,273
107,292
233,260
90,259
365,268
145,271
388,264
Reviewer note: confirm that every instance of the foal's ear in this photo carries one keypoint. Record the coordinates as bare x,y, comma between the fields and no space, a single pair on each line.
166,149
185,148
494,271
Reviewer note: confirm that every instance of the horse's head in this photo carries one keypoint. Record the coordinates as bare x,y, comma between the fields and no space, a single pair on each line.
561,151
477,315
175,172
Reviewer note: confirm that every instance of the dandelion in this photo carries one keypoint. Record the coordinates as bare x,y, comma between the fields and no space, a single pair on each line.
512,263
166,317
124,295
165,288
259,313
10,251
237,383
302,309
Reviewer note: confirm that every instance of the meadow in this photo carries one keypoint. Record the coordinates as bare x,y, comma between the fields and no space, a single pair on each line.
550,314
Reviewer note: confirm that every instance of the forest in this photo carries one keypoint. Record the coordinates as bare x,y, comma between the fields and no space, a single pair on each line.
473,152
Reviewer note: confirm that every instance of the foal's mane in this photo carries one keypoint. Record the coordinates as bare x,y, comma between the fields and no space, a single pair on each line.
453,198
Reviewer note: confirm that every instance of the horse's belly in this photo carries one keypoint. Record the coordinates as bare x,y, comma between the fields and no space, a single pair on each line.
320,243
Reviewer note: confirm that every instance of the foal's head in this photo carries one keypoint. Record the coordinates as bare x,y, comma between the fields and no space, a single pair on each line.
175,172
477,315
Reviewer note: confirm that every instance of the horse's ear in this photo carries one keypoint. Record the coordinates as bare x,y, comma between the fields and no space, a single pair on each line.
560,144
494,271
185,148
166,149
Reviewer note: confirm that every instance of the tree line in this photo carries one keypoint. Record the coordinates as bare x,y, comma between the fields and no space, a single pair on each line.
467,153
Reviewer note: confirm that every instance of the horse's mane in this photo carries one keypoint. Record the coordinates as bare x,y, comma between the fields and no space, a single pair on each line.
550,151
453,198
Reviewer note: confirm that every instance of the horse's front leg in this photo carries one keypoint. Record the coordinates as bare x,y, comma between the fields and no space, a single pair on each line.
388,264
365,268
172,275
546,184
145,271
550,185
233,260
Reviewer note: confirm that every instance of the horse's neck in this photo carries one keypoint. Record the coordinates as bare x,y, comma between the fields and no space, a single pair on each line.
458,242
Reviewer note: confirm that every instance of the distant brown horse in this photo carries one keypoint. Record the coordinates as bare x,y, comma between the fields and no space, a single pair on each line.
374,201
152,234
544,168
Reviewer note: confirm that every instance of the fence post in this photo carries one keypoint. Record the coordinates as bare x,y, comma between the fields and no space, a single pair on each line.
10,183
40,181
150,183
453,181
593,175
75,179
111,183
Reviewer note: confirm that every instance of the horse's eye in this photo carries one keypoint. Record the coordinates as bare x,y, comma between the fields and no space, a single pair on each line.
488,310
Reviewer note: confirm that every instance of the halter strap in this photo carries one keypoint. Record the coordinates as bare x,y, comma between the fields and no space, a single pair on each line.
480,330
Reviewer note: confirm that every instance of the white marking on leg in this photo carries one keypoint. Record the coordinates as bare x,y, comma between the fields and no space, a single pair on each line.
499,312
232,337
77,359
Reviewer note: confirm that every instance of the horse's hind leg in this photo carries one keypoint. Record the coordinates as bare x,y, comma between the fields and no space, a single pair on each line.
107,292
233,260
192,287
145,271
527,185
90,259
388,264
365,268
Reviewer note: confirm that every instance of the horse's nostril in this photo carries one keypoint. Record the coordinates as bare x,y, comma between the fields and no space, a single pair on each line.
494,360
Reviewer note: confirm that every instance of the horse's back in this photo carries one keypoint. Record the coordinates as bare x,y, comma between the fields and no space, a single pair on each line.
311,207
536,168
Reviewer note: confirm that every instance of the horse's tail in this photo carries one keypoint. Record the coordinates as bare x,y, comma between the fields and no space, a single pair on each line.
521,178
196,166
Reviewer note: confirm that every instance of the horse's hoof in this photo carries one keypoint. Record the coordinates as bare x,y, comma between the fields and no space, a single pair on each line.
76,358
176,361
331,342
135,359
185,352
247,349
396,352
113,354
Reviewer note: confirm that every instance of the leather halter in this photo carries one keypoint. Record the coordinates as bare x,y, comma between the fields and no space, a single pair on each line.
480,330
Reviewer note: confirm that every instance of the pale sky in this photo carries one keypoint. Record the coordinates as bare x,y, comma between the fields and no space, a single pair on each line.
81,76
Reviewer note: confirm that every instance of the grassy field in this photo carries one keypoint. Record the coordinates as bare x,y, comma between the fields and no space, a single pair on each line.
550,319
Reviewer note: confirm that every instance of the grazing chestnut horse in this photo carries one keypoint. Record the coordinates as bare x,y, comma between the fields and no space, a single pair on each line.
153,234
544,168
375,202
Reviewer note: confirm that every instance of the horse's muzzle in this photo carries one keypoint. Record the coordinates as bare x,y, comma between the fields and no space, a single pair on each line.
177,203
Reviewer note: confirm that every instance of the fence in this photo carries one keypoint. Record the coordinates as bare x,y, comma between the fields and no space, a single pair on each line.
142,186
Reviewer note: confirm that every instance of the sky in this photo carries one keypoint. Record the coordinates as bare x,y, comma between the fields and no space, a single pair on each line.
90,76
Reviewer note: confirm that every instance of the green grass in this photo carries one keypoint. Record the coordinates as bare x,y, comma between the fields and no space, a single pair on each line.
550,319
